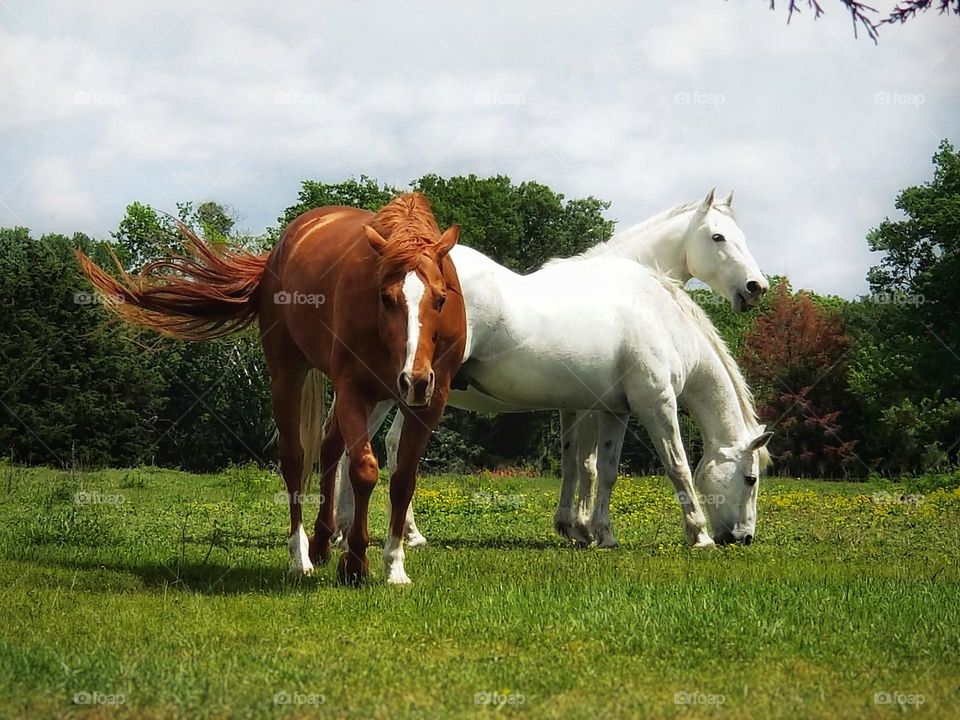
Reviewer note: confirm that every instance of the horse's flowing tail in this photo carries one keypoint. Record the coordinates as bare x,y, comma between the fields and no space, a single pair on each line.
200,295
313,415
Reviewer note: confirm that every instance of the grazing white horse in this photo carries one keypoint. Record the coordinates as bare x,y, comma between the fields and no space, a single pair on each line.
695,240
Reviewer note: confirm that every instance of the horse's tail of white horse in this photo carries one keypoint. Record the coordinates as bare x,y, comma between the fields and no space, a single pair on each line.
700,318
313,415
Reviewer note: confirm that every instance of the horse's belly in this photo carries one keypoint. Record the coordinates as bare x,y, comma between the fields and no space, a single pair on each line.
524,384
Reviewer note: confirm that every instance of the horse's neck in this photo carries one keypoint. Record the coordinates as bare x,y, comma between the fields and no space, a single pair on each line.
710,395
660,246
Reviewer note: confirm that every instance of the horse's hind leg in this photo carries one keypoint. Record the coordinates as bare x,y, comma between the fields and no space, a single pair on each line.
331,450
587,442
610,431
286,389
412,534
660,418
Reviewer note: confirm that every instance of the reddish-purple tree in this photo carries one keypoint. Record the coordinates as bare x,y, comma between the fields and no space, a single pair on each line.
794,357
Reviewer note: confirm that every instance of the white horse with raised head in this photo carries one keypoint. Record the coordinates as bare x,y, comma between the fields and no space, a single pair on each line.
699,240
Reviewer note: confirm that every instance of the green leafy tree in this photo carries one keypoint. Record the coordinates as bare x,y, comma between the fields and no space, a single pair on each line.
73,388
216,407
794,358
906,368
364,193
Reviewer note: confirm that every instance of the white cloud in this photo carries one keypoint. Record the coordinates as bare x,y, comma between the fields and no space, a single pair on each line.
646,105
59,195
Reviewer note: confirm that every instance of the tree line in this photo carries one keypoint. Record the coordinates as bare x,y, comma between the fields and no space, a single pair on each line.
851,387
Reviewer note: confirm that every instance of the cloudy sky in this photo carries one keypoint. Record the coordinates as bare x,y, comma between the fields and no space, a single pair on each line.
643,104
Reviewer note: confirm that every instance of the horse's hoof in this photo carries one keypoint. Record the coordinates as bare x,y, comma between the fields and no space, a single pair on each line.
351,576
319,551
415,540
398,577
581,535
297,570
575,532
605,539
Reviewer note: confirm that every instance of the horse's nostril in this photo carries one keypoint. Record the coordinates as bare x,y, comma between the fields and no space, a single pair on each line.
754,288
403,384
747,539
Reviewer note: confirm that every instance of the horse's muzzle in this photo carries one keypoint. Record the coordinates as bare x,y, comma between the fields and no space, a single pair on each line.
416,390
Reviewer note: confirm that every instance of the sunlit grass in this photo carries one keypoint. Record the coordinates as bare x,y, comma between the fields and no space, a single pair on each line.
170,591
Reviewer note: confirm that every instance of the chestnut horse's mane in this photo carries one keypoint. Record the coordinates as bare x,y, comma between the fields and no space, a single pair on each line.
408,225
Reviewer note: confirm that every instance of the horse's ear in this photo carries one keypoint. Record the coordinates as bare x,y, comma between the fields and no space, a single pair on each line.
729,201
375,239
759,442
707,202
447,241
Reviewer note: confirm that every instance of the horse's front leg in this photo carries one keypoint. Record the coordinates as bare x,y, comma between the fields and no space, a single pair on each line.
576,432
413,535
660,419
353,412
610,432
413,441
343,508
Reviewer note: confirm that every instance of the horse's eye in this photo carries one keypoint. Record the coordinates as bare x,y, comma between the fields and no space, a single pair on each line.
751,480
387,299
717,237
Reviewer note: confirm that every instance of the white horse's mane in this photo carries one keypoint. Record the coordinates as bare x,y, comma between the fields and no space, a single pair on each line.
700,318
638,229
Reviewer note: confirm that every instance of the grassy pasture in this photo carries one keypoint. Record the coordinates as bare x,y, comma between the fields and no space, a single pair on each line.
151,593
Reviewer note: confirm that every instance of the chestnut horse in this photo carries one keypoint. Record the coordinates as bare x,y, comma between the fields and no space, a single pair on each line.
370,301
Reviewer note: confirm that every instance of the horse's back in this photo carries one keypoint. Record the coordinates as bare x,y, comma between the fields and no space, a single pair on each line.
326,230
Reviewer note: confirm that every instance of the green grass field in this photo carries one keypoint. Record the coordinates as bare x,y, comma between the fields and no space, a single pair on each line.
169,592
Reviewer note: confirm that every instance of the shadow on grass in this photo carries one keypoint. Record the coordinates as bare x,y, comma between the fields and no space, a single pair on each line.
217,578
202,578
495,543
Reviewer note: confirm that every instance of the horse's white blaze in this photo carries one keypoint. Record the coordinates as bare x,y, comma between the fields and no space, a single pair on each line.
413,291
299,546
393,561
